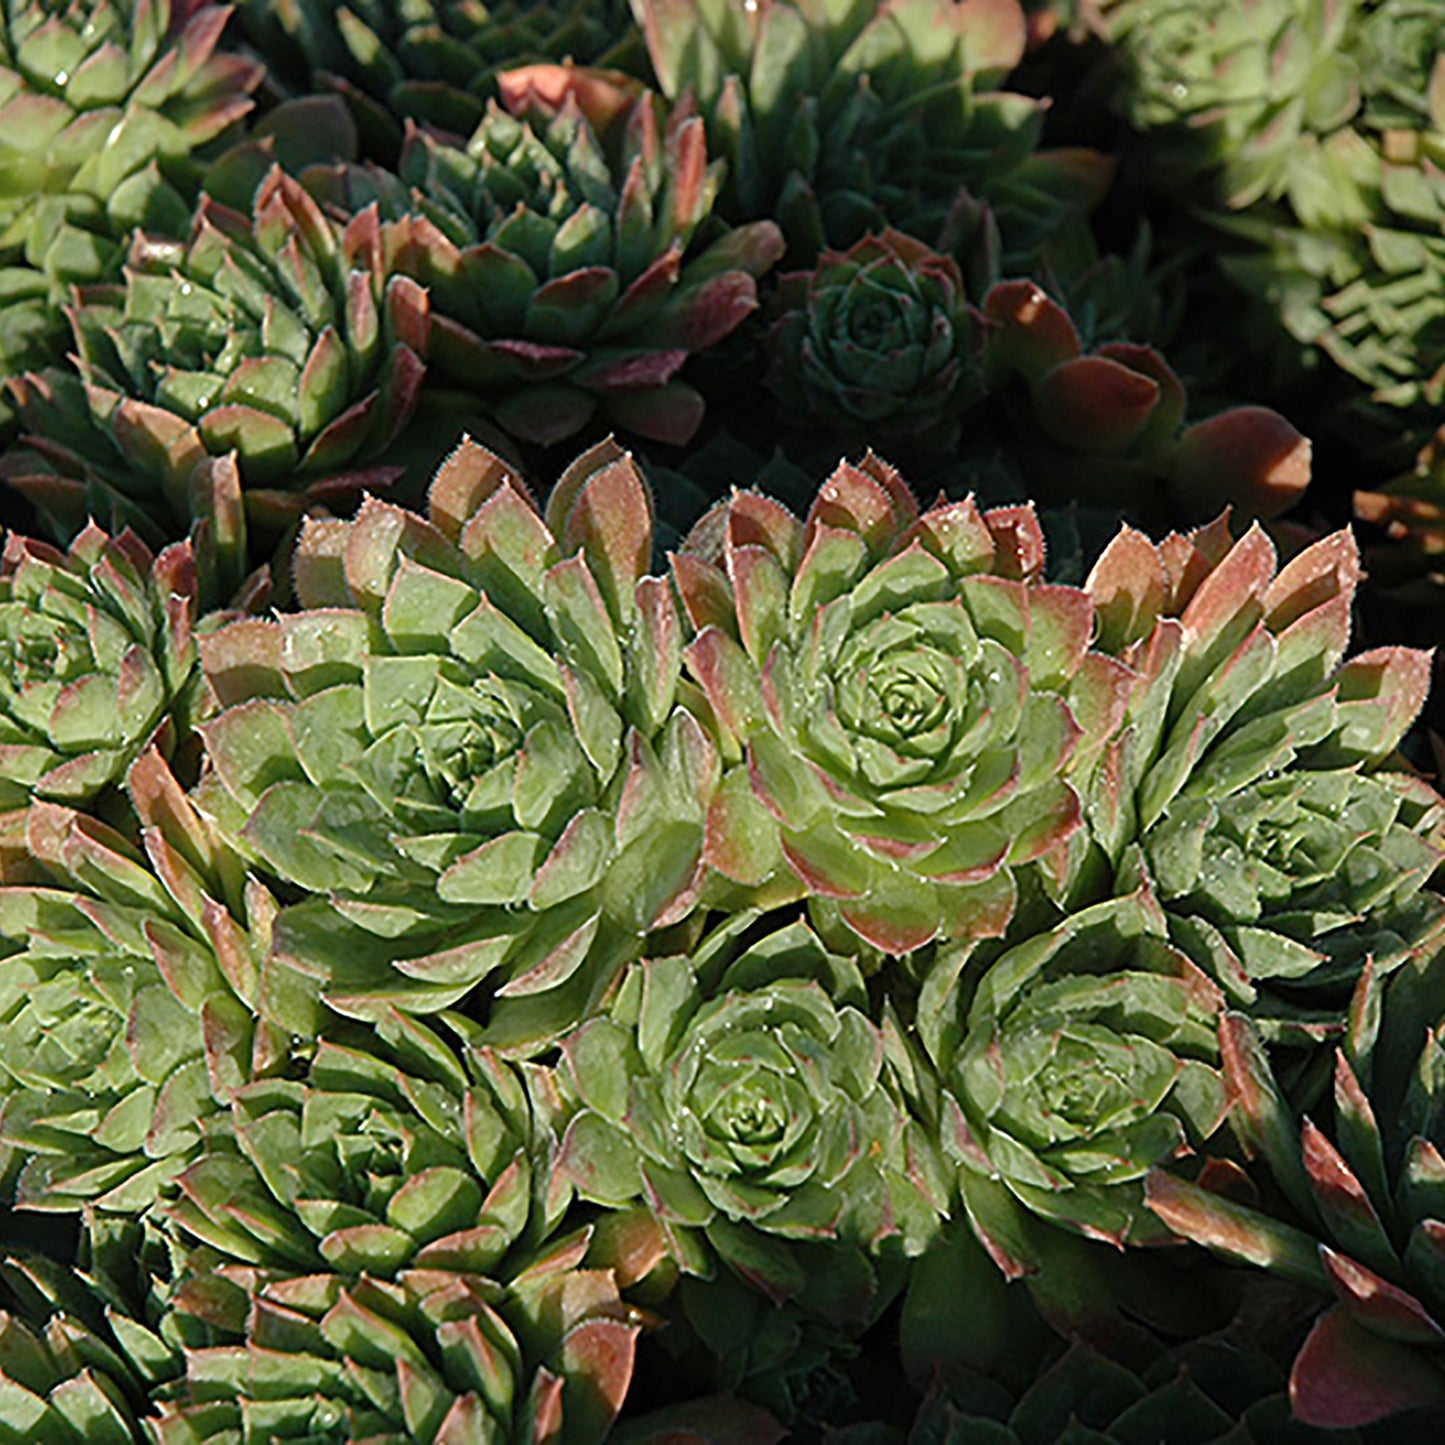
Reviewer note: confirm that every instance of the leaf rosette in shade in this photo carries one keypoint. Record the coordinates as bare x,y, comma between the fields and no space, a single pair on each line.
82,1348
1358,1205
841,120
566,256
1254,770
280,337
128,990
468,746
908,707
109,112
746,1086
97,663
378,1257
1212,1391
1314,136
433,62
880,339
1087,1055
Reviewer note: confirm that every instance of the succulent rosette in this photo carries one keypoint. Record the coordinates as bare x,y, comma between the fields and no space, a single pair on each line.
1086,1055
563,251
1117,414
128,989
97,663
1253,91
108,109
467,747
435,62
1254,771
839,122
881,338
278,336
82,1351
1356,1209
742,1111
1317,133
1218,1391
376,1257
1284,888
905,699
745,1085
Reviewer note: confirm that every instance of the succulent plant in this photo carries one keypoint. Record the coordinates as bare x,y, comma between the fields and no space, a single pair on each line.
377,1257
97,663
1112,422
127,995
904,704
745,1084
1319,131
1356,1208
566,257
279,336
1086,1055
467,746
435,62
1252,92
107,109
1210,1391
840,120
1285,887
82,1351
1253,779
881,338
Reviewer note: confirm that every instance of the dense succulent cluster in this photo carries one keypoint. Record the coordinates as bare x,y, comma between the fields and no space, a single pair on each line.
1317,132
735,939
108,111
557,248
843,120
548,949
434,63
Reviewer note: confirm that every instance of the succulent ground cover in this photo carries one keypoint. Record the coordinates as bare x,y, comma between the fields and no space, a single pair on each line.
692,746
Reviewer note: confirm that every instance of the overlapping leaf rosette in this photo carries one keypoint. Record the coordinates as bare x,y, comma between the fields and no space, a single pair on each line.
436,62
467,747
907,706
263,364
1254,781
741,1097
82,1346
1079,1059
566,254
128,993
1214,1391
839,120
1109,423
97,663
107,108
378,1256
881,339
1357,1203
1316,133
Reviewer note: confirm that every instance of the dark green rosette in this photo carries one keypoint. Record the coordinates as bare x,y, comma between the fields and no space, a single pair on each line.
881,339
